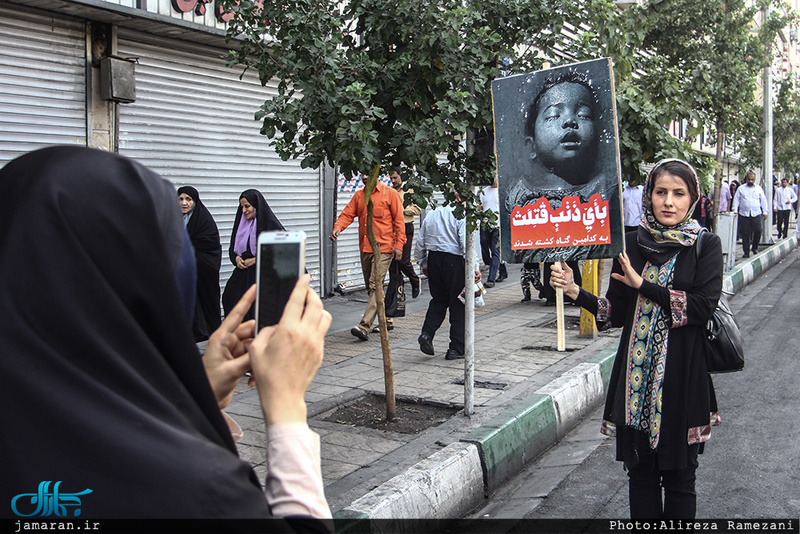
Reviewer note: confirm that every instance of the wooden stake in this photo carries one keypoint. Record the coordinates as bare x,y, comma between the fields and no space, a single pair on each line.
560,319
590,284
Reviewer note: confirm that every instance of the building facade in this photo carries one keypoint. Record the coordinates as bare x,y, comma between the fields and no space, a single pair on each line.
176,107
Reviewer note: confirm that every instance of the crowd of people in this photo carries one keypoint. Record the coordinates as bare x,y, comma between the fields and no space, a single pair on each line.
102,323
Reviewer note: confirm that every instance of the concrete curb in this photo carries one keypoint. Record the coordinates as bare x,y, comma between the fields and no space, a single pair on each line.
744,273
457,479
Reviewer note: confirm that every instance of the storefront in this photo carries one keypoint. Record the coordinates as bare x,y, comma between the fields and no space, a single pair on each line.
192,118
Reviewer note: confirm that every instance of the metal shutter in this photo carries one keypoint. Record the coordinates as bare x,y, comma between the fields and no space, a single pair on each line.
192,122
42,82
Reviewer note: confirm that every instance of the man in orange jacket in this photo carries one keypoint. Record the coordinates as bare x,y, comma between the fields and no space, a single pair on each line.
390,232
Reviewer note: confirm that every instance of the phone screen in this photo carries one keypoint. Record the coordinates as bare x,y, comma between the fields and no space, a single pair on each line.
280,265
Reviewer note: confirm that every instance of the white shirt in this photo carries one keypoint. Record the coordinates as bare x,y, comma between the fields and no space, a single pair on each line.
750,201
632,205
442,232
784,197
490,199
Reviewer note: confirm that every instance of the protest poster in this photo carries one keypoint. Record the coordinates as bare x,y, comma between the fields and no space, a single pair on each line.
558,164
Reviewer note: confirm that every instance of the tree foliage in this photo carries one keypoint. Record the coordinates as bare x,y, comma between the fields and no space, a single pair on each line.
695,62
786,130
399,82
389,82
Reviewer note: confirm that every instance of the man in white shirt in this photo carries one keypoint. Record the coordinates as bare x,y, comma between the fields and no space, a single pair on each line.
631,206
440,249
784,198
490,238
750,203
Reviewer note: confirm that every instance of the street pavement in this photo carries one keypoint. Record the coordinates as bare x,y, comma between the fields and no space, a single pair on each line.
738,477
515,360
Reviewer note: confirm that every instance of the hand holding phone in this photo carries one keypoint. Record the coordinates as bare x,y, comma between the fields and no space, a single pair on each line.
280,262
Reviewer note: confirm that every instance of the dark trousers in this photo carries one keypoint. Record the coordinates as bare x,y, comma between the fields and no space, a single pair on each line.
405,260
645,484
783,223
445,282
750,230
490,251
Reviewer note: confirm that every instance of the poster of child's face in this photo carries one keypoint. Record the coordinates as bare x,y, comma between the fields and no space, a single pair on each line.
557,163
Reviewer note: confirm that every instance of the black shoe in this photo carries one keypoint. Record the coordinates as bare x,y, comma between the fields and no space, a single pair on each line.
755,251
377,328
426,344
453,355
360,334
549,302
502,277
746,256
526,298
488,283
414,292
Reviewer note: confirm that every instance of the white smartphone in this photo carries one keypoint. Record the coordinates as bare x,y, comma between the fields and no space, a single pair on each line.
280,260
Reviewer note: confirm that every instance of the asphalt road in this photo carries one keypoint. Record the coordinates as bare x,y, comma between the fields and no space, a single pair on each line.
751,466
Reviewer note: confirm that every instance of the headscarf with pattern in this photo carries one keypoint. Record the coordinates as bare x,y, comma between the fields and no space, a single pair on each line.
647,346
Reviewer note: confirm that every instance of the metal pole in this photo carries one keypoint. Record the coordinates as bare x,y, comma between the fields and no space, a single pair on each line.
469,326
766,228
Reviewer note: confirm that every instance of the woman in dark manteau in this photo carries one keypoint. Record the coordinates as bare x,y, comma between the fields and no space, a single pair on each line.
661,402
204,234
253,216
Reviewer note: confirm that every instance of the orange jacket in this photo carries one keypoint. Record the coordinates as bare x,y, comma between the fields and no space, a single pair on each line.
387,219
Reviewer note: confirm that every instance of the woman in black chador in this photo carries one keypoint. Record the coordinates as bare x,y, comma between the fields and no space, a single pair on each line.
204,234
253,216
660,400
105,401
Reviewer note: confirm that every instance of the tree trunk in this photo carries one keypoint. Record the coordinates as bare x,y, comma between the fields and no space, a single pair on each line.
388,372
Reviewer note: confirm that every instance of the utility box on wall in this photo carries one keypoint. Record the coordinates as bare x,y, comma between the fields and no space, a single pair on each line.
118,79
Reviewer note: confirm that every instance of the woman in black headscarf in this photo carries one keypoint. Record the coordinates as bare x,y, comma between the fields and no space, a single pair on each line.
662,292
207,251
253,216
102,391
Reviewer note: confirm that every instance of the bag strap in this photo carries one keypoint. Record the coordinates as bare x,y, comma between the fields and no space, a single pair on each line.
698,242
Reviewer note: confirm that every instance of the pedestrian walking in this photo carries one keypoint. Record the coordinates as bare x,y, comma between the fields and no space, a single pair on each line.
784,198
530,275
410,212
253,216
440,250
390,232
660,398
490,238
750,203
631,206
204,234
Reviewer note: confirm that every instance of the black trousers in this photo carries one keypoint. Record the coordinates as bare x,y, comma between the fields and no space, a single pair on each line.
645,484
405,260
783,223
750,230
445,282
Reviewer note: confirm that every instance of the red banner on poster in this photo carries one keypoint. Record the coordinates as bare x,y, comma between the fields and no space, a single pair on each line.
574,224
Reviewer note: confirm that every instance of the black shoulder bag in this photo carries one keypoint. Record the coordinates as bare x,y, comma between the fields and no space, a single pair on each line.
724,349
395,298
